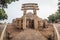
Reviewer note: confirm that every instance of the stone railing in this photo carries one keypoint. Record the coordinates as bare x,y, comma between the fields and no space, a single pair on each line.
3,28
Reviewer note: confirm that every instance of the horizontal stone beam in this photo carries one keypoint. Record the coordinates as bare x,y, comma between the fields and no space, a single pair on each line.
18,18
30,4
30,9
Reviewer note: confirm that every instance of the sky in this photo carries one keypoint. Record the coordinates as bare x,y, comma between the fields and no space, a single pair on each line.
46,8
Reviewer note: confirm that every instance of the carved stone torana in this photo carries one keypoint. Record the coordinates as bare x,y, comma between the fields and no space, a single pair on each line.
30,6
26,27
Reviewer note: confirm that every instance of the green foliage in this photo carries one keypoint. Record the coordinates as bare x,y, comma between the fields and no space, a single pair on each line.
3,15
5,2
51,18
59,3
56,16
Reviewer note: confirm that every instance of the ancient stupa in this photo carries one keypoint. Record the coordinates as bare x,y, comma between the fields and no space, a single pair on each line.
29,26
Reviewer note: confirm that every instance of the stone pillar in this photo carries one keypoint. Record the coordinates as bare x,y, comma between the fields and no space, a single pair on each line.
24,12
35,23
27,23
24,22
34,12
16,23
20,24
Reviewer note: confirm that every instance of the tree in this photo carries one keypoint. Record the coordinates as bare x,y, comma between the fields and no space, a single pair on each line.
3,15
56,16
51,18
5,2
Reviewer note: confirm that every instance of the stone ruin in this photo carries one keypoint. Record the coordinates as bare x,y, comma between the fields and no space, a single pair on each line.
29,26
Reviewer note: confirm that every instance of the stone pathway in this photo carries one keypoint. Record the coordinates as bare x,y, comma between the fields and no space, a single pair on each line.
29,34
57,27
1,28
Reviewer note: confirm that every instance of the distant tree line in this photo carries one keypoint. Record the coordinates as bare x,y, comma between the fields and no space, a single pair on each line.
4,4
55,17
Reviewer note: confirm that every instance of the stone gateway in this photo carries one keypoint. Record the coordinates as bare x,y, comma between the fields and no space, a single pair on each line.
29,26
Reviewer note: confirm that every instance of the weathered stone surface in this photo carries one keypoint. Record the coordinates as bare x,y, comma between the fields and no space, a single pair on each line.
29,27
29,34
